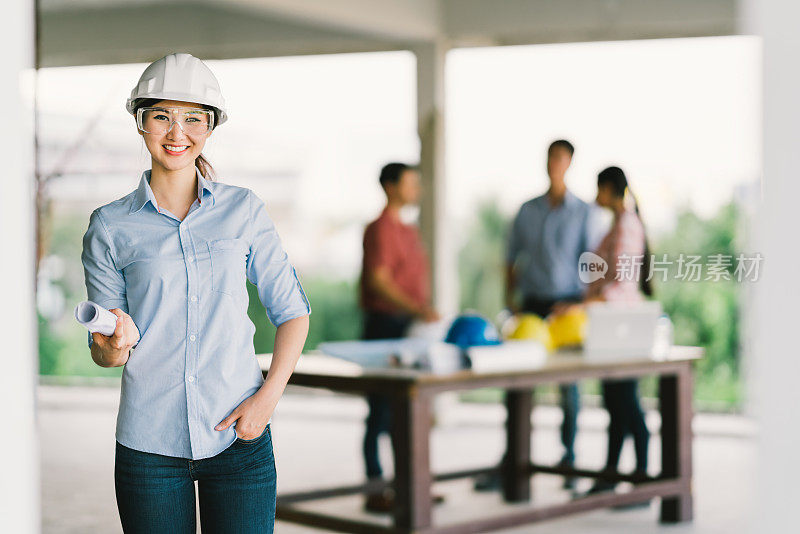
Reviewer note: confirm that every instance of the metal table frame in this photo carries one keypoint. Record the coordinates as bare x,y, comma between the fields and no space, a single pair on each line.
412,393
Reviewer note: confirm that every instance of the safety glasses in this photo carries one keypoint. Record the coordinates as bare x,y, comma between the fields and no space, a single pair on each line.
159,120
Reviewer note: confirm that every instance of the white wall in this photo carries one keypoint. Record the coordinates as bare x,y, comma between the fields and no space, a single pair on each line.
19,448
775,340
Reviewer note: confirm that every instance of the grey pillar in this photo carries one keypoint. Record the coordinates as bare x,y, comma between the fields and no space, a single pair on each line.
433,220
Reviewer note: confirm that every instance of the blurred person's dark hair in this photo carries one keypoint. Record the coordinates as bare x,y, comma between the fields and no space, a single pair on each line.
200,161
562,143
391,173
615,178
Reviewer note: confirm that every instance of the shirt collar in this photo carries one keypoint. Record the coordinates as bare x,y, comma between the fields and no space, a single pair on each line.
392,219
144,193
569,200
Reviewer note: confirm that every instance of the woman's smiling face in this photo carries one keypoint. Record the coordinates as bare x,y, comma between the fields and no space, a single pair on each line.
175,149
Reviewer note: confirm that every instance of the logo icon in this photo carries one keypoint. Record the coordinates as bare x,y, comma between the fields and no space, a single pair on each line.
591,267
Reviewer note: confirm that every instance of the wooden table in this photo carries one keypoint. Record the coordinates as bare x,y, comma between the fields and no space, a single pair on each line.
412,393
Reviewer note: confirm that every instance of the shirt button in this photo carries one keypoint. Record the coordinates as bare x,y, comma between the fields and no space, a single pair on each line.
194,298
192,337
191,379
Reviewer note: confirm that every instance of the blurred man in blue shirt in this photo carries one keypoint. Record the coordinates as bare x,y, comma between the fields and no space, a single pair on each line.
547,237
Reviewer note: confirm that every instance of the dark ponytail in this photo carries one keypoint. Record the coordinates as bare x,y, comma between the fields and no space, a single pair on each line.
644,277
615,178
205,168
201,162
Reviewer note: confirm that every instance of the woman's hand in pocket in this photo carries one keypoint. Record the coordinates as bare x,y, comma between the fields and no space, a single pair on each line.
251,418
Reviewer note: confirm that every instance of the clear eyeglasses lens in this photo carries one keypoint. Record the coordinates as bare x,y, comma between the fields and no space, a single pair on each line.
159,120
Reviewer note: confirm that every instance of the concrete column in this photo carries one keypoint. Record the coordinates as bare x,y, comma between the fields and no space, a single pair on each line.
19,448
776,344
433,219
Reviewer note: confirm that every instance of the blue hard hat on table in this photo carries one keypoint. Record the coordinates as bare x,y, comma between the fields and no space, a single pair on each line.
472,330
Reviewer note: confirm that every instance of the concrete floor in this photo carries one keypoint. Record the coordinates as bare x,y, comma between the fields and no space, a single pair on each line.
76,427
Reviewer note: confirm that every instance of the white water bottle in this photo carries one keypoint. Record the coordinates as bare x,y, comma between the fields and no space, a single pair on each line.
663,338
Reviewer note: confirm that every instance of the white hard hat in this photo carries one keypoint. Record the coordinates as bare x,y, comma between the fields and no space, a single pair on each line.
179,77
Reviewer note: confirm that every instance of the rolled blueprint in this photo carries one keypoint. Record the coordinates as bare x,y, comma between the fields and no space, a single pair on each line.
95,318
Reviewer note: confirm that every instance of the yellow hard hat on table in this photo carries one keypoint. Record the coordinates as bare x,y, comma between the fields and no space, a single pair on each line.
530,326
569,328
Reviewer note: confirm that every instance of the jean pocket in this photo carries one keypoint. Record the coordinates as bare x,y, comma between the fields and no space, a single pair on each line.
263,433
228,265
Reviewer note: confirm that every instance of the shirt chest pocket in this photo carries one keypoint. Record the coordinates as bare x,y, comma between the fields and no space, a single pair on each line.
228,265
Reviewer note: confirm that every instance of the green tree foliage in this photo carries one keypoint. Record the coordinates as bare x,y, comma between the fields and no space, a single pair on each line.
481,262
707,312
50,346
335,314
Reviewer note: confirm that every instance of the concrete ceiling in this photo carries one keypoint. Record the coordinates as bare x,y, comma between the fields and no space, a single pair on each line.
86,32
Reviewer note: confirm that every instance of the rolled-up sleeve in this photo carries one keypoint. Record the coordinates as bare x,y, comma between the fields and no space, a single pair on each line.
269,269
105,284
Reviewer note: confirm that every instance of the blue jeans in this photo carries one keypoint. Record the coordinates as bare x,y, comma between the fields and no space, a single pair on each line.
379,421
570,396
570,404
155,493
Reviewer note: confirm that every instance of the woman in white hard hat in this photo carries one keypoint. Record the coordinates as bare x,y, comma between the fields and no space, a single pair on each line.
170,259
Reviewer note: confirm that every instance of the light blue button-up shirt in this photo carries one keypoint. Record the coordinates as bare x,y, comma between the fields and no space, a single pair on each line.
183,284
545,244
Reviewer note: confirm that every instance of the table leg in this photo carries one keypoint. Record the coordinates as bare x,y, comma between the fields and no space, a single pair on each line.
675,404
411,426
517,461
